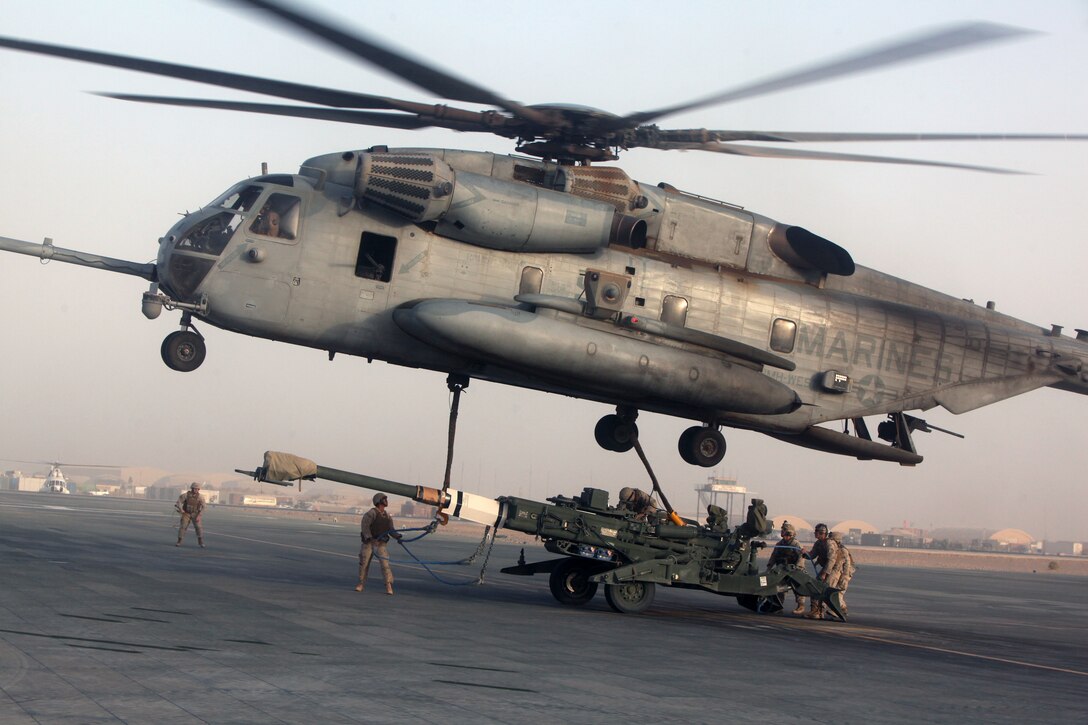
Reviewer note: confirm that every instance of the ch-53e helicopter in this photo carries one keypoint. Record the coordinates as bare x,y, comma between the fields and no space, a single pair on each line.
549,271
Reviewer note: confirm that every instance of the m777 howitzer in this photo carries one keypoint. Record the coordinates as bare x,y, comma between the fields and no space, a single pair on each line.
597,544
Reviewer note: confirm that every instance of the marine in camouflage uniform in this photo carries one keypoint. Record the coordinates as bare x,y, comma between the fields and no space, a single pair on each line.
191,507
827,554
842,574
375,528
788,552
637,501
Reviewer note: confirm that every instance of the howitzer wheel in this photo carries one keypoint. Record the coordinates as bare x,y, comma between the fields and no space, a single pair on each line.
570,584
629,597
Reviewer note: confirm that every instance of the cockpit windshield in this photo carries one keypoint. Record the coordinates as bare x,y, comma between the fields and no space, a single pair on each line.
211,235
240,198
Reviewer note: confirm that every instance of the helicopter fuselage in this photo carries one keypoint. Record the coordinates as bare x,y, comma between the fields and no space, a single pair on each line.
579,281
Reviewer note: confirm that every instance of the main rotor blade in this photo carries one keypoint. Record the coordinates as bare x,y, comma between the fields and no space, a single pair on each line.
777,153
342,115
254,84
702,135
429,78
932,43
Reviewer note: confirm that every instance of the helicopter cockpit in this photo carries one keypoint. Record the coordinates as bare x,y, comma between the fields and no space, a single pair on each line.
203,235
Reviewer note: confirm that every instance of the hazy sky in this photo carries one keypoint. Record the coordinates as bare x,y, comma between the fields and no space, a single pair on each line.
80,373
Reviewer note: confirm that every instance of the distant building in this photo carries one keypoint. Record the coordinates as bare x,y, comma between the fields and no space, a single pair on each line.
1063,548
1012,537
18,481
893,540
415,510
804,528
856,527
169,490
250,499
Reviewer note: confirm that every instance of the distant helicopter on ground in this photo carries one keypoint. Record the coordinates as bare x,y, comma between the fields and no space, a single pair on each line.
55,480
550,272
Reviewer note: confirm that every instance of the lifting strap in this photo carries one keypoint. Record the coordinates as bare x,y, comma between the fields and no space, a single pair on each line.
653,479
456,384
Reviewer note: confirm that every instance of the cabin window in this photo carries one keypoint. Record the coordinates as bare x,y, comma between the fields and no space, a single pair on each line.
531,280
783,335
674,310
278,217
375,260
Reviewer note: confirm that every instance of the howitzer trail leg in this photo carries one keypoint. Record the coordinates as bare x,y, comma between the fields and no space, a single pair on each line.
833,605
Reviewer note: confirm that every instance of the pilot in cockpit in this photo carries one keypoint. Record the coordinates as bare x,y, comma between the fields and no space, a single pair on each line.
268,223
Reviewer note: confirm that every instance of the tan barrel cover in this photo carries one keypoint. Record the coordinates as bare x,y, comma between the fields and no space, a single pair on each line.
286,467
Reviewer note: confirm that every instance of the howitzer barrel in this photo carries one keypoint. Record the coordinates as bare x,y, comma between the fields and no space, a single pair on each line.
279,467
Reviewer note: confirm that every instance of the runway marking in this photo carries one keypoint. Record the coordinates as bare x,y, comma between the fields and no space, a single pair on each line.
163,611
472,667
96,619
289,546
489,687
945,650
132,616
94,641
335,553
107,649
69,509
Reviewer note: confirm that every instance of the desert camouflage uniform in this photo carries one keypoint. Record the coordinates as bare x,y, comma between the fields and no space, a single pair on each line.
788,552
827,554
375,529
637,501
191,507
844,571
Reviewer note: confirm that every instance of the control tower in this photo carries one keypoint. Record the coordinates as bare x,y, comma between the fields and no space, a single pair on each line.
725,493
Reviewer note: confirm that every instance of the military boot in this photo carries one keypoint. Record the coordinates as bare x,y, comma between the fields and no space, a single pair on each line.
362,579
389,589
799,609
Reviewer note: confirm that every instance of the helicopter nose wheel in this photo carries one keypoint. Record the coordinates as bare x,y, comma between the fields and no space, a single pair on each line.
701,446
617,432
183,350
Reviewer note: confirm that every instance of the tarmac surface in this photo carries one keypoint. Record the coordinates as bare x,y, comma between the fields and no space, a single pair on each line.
102,619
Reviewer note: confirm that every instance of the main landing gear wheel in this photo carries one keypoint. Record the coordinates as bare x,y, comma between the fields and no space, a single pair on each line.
629,597
615,433
570,584
183,351
701,446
